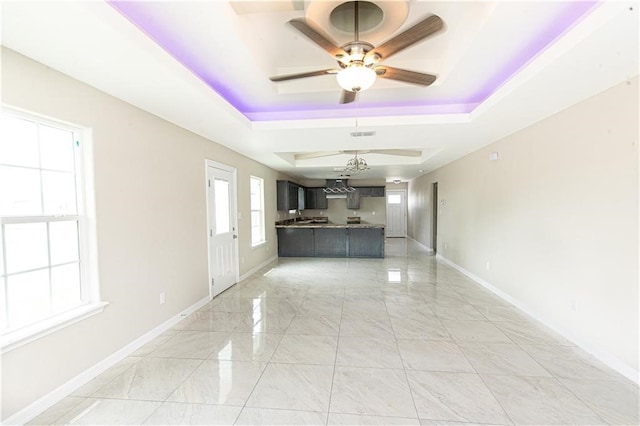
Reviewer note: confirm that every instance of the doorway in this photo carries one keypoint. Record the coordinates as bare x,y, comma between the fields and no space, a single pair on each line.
396,213
434,217
222,225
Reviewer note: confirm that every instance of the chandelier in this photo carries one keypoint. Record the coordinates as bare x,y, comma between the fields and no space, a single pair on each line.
356,164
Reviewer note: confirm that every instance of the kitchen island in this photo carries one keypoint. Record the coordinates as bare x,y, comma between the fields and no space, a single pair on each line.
312,239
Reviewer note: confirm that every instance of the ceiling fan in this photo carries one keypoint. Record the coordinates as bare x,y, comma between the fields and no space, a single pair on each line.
358,60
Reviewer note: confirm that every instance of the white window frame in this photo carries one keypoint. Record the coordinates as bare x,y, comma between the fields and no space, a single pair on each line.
261,225
87,243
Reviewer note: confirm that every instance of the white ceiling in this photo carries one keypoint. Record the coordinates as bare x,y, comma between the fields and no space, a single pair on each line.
204,65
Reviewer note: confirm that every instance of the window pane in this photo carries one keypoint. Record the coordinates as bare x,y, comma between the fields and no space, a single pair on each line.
19,191
56,149
63,237
256,201
221,189
65,287
18,142
394,198
28,297
26,246
59,193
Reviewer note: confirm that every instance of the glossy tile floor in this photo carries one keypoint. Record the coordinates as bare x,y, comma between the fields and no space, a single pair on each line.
404,340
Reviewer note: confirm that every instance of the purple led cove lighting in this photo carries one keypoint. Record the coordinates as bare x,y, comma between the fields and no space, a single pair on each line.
556,28
137,13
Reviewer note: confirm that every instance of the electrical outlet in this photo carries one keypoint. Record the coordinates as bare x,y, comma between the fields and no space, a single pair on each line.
572,304
373,213
267,247
162,298
488,265
242,259
446,245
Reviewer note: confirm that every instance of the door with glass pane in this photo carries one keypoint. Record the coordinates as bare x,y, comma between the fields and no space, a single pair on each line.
223,248
396,213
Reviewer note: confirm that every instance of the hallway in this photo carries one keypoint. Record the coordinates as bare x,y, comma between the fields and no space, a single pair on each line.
402,340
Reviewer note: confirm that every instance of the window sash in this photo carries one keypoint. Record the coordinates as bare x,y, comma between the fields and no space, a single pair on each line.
257,197
77,283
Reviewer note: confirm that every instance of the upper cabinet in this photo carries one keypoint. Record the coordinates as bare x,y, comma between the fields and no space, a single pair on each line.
290,196
316,198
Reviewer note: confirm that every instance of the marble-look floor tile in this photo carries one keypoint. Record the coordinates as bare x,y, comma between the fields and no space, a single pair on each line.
317,308
366,327
356,419
293,387
454,397
49,416
569,362
97,382
368,352
539,400
617,402
257,347
529,333
147,348
150,379
178,413
212,321
269,416
265,323
371,391
95,411
502,358
235,304
420,329
460,312
319,326
433,355
219,382
190,344
502,313
475,331
304,349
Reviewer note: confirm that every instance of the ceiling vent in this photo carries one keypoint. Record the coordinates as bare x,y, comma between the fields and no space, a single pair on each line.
359,134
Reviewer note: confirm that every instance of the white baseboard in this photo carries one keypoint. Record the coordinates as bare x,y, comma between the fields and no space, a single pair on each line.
37,407
428,249
257,268
606,357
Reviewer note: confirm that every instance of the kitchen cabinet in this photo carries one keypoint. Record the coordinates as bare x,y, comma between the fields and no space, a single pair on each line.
316,198
353,200
376,191
330,241
290,196
366,242
295,242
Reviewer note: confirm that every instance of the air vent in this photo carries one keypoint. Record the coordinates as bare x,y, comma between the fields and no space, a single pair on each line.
361,134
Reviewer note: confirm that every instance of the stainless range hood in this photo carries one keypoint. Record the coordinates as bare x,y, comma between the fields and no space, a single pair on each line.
337,188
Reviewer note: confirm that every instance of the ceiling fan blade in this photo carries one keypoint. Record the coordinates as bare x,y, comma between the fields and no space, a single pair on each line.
347,97
302,75
418,32
319,39
406,76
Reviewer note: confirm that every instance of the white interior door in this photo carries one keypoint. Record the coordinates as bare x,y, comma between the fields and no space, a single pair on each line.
222,224
396,213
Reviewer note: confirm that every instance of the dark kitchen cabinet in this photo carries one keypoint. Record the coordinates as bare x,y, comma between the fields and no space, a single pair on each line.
376,191
316,198
353,200
290,196
330,242
366,242
294,242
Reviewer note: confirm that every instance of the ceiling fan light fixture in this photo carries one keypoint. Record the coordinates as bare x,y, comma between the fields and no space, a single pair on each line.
356,77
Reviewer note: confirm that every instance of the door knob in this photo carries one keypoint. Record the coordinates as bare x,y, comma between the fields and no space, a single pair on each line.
235,236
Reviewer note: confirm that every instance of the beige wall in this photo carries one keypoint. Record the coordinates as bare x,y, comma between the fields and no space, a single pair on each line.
151,224
557,218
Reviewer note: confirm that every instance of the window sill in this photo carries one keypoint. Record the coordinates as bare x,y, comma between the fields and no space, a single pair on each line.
22,336
258,245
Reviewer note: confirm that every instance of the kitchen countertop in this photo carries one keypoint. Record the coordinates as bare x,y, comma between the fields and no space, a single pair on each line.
331,225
